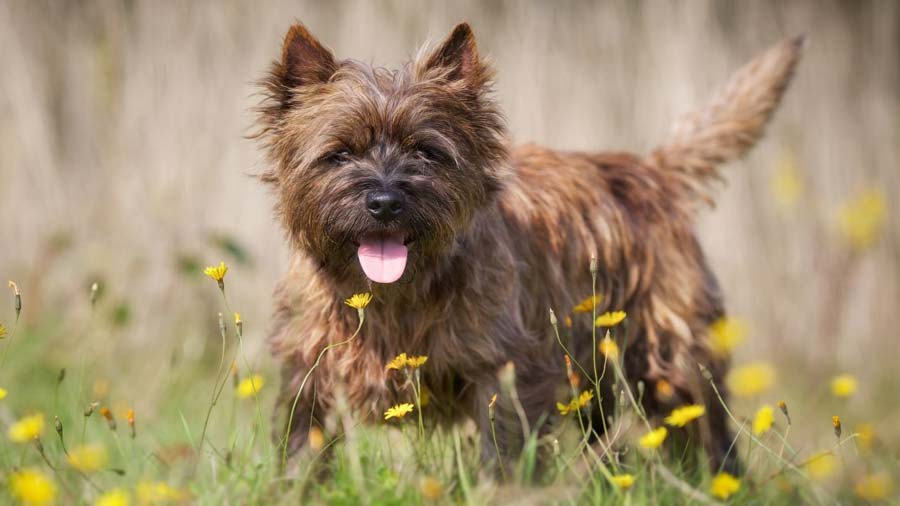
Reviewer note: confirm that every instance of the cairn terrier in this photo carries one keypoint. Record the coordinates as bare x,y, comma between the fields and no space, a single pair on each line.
403,183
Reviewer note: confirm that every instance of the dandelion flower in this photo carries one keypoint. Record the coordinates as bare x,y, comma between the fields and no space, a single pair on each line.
685,414
115,497
582,401
216,273
416,362
27,429
250,386
874,487
431,488
654,438
158,492
623,481
588,304
751,379
610,319
726,334
398,362
843,385
87,458
724,486
359,300
762,422
398,411
860,219
821,466
2,393
664,389
32,487
609,348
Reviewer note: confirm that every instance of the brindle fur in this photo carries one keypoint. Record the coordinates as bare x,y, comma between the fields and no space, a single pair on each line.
500,234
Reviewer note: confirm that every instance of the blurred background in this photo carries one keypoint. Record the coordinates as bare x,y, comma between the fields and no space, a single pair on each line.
123,161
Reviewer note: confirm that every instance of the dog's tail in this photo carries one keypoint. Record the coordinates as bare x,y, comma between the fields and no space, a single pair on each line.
732,123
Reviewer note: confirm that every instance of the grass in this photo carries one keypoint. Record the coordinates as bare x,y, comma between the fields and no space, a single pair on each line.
203,437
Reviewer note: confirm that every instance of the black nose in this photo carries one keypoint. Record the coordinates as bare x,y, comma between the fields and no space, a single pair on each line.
384,205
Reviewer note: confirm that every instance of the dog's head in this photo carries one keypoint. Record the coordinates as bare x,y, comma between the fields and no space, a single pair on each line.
375,169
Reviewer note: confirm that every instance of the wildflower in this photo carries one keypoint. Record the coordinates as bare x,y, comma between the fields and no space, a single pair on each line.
27,429
359,300
2,331
574,379
431,488
762,422
623,481
398,362
836,422
843,385
865,435
32,487
784,409
874,487
158,492
685,414
751,379
787,185
724,486
110,419
129,416
860,219
2,393
215,273
588,304
568,322
725,334
664,389
416,362
316,438
398,411
250,386
115,497
493,401
821,466
609,348
610,319
654,438
582,401
87,458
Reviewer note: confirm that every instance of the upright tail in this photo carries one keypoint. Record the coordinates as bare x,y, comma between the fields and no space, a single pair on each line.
732,122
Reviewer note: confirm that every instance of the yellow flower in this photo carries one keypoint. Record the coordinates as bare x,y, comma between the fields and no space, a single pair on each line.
359,300
582,401
316,438
250,386
158,492
2,331
623,481
724,486
821,466
751,379
763,420
610,319
588,304
664,389
431,488
27,429
398,411
787,185
874,487
685,414
836,422
654,438
416,362
32,487
87,458
725,334
398,362
865,436
3,393
216,273
843,385
609,348
115,497
861,218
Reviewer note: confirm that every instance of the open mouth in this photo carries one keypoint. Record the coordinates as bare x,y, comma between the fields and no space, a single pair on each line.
383,256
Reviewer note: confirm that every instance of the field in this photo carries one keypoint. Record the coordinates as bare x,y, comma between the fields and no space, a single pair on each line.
124,174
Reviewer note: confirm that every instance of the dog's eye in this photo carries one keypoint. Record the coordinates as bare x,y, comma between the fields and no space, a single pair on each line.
430,154
337,157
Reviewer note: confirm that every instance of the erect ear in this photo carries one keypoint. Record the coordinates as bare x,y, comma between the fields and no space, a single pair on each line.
458,53
304,59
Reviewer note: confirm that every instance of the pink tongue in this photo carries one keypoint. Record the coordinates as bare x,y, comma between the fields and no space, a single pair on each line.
383,260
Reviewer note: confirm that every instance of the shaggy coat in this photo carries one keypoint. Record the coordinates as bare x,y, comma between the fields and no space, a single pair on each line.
497,236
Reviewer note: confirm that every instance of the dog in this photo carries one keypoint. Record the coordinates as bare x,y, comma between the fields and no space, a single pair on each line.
403,183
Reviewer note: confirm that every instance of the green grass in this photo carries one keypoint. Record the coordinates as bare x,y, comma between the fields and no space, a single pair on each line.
235,461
